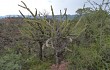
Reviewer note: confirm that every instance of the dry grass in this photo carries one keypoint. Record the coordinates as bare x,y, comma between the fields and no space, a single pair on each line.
62,66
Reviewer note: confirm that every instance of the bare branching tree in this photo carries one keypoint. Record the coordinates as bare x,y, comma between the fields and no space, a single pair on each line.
56,34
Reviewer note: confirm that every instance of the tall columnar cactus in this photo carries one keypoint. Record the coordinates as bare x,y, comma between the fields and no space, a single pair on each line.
56,34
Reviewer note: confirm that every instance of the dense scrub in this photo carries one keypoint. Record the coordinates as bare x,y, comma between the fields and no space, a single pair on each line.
23,41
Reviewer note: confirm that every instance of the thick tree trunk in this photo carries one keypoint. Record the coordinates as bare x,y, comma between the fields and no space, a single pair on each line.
40,51
56,57
58,51
59,57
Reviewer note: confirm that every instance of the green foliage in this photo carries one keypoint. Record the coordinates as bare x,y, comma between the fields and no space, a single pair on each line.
84,58
97,25
10,61
41,66
53,33
33,63
93,51
90,32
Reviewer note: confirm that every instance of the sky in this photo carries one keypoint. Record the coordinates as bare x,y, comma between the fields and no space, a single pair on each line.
10,7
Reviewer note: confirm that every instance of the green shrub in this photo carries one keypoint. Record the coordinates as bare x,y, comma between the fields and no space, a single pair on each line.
84,58
10,62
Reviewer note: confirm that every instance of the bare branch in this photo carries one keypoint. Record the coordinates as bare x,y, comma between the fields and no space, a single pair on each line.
66,48
26,8
52,11
24,4
21,14
95,3
91,4
35,12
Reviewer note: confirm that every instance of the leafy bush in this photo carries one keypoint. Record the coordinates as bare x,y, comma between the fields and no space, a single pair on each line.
84,58
10,61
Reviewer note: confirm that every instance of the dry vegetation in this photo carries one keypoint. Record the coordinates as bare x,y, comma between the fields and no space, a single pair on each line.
51,44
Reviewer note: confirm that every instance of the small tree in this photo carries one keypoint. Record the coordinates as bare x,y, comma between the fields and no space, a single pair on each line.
97,20
54,33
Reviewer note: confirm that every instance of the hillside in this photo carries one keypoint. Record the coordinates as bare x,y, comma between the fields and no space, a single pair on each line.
56,42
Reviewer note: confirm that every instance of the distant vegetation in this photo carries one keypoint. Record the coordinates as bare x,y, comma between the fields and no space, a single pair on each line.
42,43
